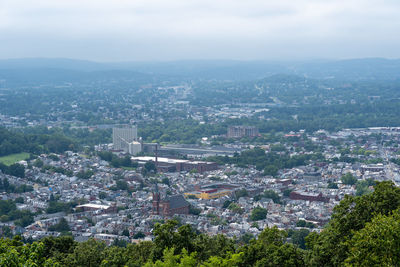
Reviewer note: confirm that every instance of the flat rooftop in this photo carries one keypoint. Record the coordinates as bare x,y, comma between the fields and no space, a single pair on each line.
168,160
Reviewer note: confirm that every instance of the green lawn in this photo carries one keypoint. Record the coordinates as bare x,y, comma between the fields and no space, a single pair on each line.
13,158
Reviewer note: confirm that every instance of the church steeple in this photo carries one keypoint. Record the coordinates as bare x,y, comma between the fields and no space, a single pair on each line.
156,201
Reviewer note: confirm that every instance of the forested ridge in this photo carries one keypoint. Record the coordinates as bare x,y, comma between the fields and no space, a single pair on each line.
363,231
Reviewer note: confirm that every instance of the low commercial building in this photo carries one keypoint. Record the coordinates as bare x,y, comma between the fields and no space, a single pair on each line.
210,193
372,168
95,207
298,195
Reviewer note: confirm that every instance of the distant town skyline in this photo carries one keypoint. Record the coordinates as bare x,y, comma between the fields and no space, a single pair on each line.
156,30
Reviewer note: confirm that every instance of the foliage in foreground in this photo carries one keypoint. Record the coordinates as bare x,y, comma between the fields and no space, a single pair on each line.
364,231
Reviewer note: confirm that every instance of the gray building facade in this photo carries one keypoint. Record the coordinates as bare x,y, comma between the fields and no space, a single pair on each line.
123,136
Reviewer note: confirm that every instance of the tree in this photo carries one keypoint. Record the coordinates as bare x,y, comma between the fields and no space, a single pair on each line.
362,187
15,253
6,232
171,259
270,249
298,237
331,246
38,163
232,260
258,213
269,194
24,219
122,185
168,235
377,244
226,204
271,170
16,170
125,232
139,235
120,243
349,179
165,181
332,185
241,193
58,248
126,161
194,170
149,167
117,254
85,174
88,253
105,155
235,208
287,192
246,238
61,226
301,223
19,200
103,195
194,211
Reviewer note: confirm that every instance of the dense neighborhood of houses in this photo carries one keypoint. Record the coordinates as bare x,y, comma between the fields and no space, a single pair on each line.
108,203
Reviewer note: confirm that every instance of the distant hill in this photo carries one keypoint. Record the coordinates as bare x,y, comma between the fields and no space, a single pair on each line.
51,63
353,69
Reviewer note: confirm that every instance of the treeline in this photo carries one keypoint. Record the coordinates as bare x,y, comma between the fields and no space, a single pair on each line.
38,140
328,117
291,89
14,169
5,186
13,141
77,136
269,162
280,119
58,206
187,131
363,231
9,212
116,161
61,170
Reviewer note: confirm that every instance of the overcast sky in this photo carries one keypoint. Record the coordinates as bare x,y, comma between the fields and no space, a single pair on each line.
131,30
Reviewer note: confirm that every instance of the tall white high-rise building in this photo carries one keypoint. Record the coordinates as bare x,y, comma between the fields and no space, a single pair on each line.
123,136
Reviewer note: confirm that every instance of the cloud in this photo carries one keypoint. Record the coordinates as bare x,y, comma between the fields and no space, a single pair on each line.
184,29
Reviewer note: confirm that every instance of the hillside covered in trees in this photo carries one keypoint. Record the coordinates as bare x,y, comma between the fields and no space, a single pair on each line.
363,231
37,140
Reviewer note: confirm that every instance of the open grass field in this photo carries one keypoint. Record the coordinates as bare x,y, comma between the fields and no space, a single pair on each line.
13,158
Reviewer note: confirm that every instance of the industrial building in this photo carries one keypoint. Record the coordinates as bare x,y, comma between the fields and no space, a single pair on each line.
125,139
177,165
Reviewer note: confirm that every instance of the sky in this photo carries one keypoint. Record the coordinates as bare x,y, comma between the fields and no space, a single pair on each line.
163,30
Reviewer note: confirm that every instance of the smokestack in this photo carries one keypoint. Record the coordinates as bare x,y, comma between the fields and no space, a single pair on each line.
156,154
